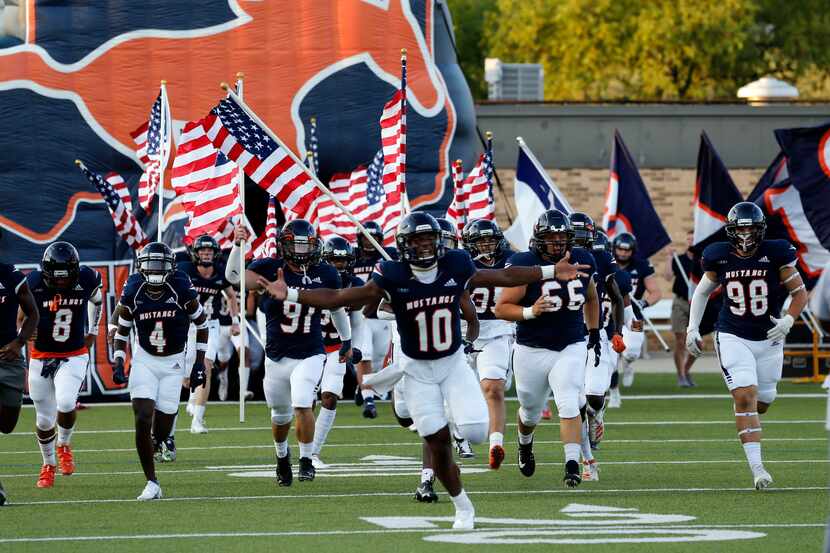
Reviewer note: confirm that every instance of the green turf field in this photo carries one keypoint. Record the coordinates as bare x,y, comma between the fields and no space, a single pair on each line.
673,478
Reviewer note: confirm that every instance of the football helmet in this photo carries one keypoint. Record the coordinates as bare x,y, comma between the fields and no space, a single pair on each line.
338,253
584,230
156,263
204,250
552,236
601,241
419,240
60,266
624,246
299,243
484,241
449,235
366,248
745,227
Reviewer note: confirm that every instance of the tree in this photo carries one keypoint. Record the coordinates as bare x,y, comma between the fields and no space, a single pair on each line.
471,40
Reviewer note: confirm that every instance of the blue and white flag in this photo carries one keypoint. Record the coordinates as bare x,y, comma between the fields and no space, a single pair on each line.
534,193
715,194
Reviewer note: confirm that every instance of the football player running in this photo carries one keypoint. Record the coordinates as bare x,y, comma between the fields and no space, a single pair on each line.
158,303
14,295
294,340
646,293
338,253
756,275
68,298
208,278
424,290
488,248
378,332
550,351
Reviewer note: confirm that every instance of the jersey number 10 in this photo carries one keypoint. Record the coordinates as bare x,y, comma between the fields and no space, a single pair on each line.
434,330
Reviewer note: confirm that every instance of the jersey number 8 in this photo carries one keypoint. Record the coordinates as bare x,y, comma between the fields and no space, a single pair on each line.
62,326
754,296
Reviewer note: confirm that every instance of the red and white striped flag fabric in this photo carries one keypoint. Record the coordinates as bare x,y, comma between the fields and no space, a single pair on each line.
120,186
457,210
265,161
266,244
153,139
477,196
393,145
207,182
323,214
125,222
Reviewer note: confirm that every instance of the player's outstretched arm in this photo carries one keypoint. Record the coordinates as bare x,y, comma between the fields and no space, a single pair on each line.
521,276
468,311
617,300
653,292
323,298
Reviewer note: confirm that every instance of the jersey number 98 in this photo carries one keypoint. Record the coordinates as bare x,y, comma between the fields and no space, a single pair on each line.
753,297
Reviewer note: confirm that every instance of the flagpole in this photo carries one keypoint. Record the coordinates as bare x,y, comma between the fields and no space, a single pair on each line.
244,370
405,207
163,153
320,186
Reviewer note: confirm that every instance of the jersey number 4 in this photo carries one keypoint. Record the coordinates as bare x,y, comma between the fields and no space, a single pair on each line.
157,337
434,330
752,296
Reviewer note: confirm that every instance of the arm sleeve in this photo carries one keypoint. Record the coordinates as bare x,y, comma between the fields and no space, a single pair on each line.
699,300
341,323
232,266
93,311
18,279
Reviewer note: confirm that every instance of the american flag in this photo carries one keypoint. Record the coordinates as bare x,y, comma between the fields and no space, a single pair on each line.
457,210
265,161
152,139
393,143
117,182
266,244
313,159
477,197
125,222
207,182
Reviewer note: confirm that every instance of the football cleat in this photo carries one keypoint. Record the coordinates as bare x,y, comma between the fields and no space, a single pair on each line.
527,462
317,462
425,492
47,476
157,451
590,472
573,477
65,460
412,427
168,450
763,480
464,520
496,457
358,396
463,448
3,497
151,491
369,409
284,475
307,471
614,399
197,426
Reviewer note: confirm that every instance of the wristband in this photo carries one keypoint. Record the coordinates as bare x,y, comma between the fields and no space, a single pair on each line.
548,271
119,354
292,295
527,313
201,346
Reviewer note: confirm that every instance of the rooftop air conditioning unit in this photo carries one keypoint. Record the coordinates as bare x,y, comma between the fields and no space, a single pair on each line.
514,81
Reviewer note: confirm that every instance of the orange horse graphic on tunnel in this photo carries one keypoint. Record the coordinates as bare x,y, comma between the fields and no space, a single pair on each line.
271,42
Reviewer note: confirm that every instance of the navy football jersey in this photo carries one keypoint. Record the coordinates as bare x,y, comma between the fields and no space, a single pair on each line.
365,264
752,286
565,325
292,329
331,339
428,315
638,269
161,324
10,281
607,320
485,297
62,326
209,289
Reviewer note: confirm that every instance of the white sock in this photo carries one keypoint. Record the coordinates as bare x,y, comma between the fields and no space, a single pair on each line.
572,452
64,435
525,439
325,420
47,450
587,454
496,438
462,502
752,450
199,412
427,475
282,448
173,430
367,394
306,449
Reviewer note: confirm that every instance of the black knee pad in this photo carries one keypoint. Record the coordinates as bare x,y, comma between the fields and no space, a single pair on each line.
615,379
405,422
596,402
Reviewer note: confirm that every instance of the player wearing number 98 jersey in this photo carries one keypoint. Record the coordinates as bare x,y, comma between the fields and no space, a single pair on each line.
756,276
68,298
550,350
486,244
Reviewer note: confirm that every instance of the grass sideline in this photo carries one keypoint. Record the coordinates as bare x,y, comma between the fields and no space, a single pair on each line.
661,457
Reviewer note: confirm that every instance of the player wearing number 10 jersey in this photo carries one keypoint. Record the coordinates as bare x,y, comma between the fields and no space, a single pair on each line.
424,290
68,298
756,275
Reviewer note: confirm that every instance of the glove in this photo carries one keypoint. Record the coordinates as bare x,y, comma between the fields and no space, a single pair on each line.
198,375
118,375
694,343
357,355
593,344
345,346
50,367
781,329
617,343
469,347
